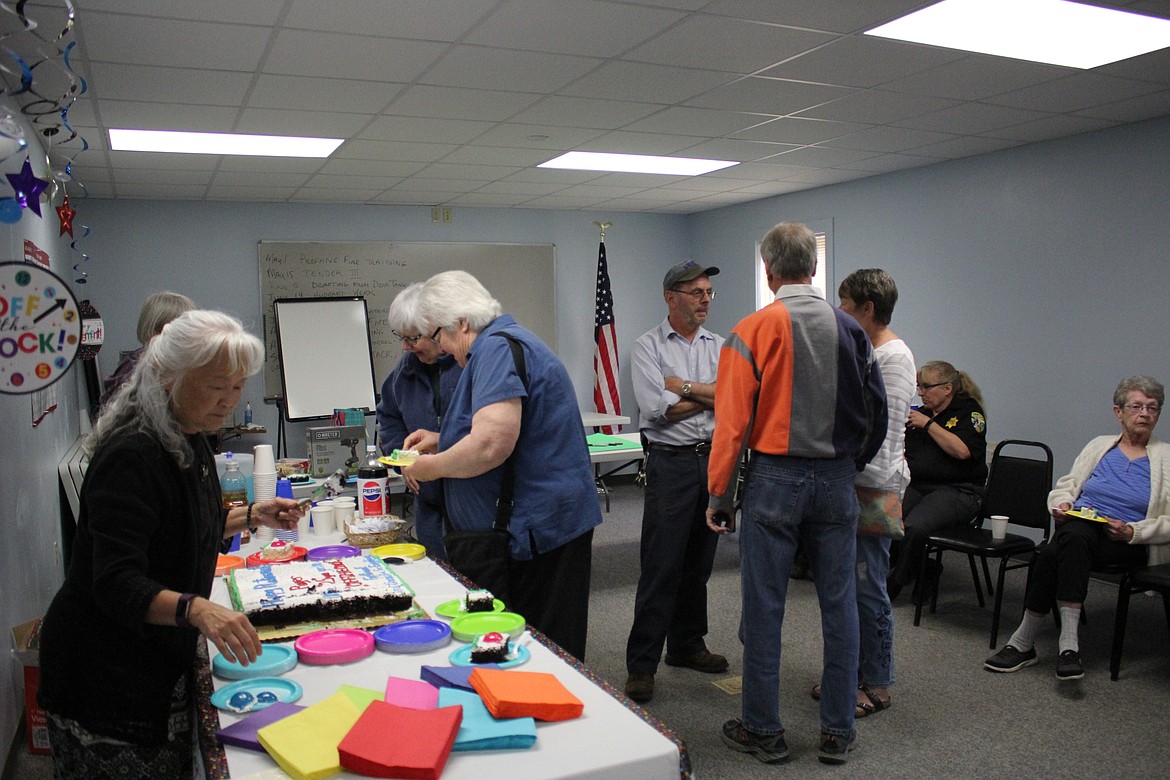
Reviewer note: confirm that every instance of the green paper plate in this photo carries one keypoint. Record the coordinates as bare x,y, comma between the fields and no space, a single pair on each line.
466,628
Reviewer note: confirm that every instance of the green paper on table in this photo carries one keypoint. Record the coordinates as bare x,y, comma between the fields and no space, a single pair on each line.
305,744
604,441
361,697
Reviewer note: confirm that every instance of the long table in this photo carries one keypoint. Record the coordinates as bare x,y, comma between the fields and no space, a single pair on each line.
612,739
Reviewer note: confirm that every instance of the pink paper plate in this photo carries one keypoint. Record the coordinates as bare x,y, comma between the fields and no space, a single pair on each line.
334,646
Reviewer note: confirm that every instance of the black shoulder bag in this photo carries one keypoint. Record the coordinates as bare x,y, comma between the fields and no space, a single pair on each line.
485,557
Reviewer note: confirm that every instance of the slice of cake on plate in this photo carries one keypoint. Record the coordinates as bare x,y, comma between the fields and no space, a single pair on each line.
490,648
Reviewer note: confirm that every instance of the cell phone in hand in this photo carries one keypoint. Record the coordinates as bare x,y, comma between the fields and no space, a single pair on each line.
724,520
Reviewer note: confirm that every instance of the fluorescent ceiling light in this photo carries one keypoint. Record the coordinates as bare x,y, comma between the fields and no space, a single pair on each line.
221,143
636,163
1051,31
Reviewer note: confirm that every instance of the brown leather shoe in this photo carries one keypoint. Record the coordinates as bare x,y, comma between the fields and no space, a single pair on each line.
640,687
702,661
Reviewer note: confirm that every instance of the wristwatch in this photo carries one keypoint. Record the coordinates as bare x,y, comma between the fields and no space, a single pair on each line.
181,610
686,388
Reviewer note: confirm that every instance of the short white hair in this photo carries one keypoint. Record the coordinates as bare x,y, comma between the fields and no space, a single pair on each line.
450,296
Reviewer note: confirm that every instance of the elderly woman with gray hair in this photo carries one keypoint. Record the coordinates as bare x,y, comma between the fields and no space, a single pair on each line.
119,640
513,428
1113,508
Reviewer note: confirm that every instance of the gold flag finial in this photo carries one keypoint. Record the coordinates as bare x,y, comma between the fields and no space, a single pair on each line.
603,226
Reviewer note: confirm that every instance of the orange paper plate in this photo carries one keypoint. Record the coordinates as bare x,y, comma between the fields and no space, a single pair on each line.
225,563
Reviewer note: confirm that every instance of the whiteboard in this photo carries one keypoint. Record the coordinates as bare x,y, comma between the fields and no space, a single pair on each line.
520,276
325,363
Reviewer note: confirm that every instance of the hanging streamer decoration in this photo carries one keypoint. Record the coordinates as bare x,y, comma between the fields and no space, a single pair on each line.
38,77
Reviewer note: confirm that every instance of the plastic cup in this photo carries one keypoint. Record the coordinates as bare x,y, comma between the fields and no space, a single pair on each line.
323,523
262,459
999,524
342,514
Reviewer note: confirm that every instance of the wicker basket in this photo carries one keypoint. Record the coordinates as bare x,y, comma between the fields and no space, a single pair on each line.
376,539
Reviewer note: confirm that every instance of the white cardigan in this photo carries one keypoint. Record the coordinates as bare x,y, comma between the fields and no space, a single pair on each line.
1155,529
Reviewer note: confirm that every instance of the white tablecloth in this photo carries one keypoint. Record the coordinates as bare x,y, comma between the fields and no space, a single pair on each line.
608,740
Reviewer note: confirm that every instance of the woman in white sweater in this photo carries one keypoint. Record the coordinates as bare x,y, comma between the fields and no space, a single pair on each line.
1119,487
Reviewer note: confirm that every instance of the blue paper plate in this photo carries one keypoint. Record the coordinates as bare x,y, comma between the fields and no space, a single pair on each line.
413,636
462,657
256,694
275,660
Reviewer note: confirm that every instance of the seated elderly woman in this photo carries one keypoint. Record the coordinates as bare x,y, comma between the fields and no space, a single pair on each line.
1113,508
119,640
946,449
512,426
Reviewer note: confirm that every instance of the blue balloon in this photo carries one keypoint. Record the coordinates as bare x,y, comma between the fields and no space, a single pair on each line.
10,211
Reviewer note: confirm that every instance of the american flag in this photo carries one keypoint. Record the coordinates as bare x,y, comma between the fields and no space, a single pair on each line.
605,359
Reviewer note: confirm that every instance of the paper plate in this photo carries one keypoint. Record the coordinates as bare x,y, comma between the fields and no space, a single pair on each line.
454,608
466,628
386,460
412,636
462,657
330,551
255,561
1082,514
274,660
334,646
225,563
256,694
411,552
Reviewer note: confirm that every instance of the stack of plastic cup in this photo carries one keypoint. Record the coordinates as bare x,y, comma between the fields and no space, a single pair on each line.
264,485
343,511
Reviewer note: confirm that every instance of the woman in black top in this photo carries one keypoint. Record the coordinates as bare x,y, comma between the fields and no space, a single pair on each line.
946,449
119,639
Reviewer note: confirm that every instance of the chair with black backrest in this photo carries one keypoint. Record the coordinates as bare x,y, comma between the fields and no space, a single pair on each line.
1018,487
1155,578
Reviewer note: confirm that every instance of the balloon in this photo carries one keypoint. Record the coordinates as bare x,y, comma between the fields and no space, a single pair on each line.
9,211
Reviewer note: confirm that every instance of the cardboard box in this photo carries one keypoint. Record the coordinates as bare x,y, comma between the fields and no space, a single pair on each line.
26,648
333,446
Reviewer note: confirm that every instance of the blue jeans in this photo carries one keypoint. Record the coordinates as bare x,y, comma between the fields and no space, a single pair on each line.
788,500
875,618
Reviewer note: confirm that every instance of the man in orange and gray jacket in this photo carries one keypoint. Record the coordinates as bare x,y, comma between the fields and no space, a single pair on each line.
798,386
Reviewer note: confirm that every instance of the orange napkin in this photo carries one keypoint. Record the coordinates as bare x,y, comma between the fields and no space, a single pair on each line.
511,694
389,741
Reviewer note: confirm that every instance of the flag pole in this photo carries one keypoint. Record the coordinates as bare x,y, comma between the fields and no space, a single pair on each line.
603,226
606,397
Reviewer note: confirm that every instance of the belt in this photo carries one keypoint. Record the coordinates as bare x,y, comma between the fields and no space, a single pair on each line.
702,448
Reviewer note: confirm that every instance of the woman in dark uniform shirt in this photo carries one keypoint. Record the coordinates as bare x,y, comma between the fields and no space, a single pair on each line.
946,449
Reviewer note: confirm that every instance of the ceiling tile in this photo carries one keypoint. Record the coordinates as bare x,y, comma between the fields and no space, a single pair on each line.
333,55
701,42
877,107
975,77
305,93
759,94
799,131
175,43
862,62
696,121
971,118
586,27
645,83
435,20
480,67
888,139
457,103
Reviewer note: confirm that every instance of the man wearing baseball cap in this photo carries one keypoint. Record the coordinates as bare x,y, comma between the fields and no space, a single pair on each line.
674,382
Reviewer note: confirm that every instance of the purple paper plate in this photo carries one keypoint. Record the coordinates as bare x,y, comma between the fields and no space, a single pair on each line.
332,551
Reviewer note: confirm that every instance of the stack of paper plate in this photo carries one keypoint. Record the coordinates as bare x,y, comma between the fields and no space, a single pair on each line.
466,628
412,636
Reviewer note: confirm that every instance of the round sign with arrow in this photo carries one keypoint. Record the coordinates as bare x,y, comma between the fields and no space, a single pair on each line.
40,328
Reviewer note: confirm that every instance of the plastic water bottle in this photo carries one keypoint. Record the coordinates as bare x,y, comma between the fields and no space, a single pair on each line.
248,413
372,478
234,488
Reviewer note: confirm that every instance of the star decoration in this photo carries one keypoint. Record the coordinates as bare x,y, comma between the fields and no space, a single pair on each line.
28,187
65,213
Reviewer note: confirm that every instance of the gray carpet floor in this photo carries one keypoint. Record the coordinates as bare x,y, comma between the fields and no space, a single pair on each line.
950,718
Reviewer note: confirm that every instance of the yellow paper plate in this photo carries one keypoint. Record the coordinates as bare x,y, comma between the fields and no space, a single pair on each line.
1081,514
412,552
388,461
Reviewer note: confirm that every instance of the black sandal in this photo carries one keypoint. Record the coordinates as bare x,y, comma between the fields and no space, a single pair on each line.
872,706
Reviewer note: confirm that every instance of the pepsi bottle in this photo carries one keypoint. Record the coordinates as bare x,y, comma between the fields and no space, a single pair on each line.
372,478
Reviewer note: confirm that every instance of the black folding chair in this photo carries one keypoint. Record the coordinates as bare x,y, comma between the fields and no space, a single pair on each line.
1018,487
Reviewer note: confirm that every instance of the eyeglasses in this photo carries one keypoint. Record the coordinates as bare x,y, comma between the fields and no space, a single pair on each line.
411,340
696,294
1153,409
928,387
435,335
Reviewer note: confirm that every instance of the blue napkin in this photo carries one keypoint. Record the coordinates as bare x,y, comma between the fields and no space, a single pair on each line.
452,676
480,731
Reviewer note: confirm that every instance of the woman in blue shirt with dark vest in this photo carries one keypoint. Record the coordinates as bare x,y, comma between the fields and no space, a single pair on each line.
513,411
415,397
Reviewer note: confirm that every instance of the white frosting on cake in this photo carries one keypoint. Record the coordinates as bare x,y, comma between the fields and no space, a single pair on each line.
309,583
